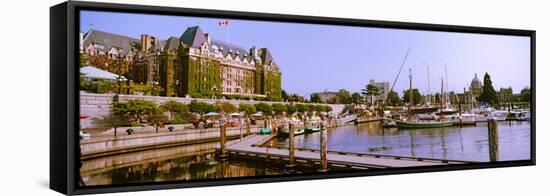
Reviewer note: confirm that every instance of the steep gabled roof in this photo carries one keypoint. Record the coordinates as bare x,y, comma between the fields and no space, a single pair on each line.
231,49
172,43
110,40
266,57
193,36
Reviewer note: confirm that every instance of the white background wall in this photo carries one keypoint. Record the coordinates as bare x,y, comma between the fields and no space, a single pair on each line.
24,96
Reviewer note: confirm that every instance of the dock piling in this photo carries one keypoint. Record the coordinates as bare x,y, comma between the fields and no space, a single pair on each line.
248,122
241,129
493,140
323,151
291,157
222,141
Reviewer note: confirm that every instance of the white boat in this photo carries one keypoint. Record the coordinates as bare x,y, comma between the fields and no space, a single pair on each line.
465,119
484,114
423,124
519,115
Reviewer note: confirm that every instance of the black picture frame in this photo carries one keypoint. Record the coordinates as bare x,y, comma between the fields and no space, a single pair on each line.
64,102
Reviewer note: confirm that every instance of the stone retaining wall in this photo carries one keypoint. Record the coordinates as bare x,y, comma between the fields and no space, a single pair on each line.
92,148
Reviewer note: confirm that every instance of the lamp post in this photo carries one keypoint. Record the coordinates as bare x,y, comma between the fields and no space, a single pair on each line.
119,78
214,90
155,83
129,82
176,88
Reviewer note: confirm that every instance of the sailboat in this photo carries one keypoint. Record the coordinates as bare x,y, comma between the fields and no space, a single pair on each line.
412,123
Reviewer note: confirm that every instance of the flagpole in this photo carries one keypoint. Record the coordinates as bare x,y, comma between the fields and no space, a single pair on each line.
226,32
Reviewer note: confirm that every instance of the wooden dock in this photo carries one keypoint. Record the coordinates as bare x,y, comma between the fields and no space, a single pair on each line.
253,146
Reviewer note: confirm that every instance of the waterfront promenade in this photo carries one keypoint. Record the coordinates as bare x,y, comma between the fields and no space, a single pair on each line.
107,144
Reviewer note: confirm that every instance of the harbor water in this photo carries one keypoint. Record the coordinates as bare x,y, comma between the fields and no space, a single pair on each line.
469,143
195,162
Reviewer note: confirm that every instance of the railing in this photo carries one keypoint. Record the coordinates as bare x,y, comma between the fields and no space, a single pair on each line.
346,119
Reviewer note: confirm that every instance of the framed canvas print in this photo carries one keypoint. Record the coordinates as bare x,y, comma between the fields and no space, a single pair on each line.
146,97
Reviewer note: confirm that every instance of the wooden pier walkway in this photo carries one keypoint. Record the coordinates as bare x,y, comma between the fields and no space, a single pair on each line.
253,146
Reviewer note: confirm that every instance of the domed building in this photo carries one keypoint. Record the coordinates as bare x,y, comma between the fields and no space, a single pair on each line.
476,87
472,92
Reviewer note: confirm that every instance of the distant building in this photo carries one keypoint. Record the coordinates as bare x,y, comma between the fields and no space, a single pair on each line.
383,87
473,91
97,42
476,87
192,64
505,95
325,96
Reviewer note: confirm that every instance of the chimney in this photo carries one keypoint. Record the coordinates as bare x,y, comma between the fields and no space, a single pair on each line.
143,41
253,51
148,42
207,38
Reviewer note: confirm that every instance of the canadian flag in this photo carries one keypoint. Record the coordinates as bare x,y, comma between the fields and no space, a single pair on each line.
223,23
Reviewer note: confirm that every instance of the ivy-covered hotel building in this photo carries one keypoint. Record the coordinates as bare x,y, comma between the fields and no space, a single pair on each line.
194,65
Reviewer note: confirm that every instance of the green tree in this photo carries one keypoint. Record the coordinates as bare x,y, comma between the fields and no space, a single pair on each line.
296,98
525,94
310,107
319,108
279,108
315,98
83,60
247,108
343,96
393,99
356,98
291,108
488,94
328,108
136,109
370,91
156,120
227,107
332,100
301,108
417,98
112,120
198,107
264,107
174,107
284,95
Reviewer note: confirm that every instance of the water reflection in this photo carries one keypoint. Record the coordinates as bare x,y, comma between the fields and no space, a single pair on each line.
201,166
466,143
199,162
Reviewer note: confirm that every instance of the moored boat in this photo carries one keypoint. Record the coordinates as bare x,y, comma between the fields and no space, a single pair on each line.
265,131
423,124
519,116
311,129
465,119
297,131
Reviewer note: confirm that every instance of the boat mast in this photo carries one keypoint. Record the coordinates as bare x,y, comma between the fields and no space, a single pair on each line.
441,97
447,98
400,68
410,92
429,91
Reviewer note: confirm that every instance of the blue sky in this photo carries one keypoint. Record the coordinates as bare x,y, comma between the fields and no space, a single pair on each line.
318,57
